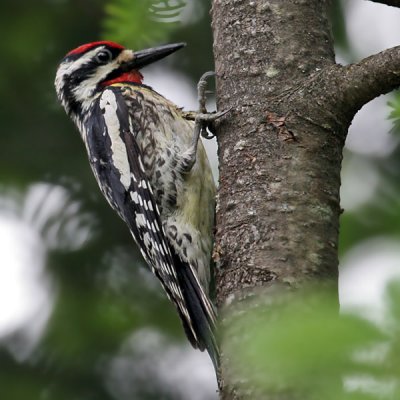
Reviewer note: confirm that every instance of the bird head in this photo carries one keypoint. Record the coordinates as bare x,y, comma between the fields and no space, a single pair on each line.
86,70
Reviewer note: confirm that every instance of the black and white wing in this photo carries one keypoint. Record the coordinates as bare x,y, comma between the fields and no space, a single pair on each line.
117,163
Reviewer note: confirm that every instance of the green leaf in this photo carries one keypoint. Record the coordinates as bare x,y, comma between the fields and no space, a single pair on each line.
300,345
394,115
141,23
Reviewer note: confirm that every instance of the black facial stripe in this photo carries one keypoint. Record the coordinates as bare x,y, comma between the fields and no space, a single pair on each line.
113,74
73,80
73,105
74,57
77,77
89,68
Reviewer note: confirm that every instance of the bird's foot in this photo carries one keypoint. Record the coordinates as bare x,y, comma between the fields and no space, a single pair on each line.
204,121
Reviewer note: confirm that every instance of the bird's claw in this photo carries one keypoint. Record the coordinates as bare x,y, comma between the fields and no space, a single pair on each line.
203,118
202,92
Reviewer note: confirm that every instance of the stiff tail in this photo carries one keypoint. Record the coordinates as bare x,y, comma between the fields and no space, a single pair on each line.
201,311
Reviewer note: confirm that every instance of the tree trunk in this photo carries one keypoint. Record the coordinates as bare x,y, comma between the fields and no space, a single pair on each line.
280,145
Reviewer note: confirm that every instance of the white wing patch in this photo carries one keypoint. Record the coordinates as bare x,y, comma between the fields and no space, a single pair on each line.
108,103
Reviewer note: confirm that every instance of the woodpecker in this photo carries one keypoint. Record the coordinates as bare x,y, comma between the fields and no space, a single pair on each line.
148,162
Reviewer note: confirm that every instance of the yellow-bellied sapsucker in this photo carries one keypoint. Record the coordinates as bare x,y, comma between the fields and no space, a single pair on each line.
147,161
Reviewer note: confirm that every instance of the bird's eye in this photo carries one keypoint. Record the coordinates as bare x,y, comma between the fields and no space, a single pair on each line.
104,56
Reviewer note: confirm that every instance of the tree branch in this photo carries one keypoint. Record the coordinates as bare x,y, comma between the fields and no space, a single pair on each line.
393,3
371,77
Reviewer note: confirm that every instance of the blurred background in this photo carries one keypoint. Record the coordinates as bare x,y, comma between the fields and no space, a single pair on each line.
80,315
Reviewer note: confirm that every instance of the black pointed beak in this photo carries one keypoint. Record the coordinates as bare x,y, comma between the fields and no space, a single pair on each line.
145,57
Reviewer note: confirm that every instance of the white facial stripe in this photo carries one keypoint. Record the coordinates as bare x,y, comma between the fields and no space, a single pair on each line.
67,68
84,91
82,60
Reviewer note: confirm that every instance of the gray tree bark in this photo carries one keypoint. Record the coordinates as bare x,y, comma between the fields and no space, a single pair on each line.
280,146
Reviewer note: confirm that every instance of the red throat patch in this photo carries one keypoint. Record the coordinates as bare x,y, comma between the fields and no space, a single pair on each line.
132,76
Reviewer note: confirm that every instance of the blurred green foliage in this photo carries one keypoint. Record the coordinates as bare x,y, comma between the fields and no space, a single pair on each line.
138,24
395,110
101,292
298,345
378,216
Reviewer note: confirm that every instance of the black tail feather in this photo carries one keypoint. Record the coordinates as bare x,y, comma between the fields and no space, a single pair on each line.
203,323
